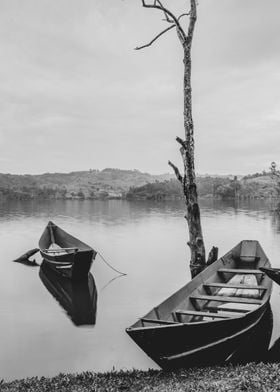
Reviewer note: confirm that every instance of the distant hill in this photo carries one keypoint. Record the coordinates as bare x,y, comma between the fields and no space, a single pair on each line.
131,184
96,184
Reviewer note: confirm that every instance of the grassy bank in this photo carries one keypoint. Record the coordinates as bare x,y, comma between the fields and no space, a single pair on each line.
251,377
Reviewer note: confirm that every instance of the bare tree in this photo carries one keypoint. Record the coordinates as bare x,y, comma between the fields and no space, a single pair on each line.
188,178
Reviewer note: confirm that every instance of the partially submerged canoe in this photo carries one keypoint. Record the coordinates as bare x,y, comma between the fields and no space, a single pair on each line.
77,298
208,317
66,254
273,273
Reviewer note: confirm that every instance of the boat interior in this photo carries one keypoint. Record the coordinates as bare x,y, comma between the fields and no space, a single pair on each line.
229,288
56,250
57,242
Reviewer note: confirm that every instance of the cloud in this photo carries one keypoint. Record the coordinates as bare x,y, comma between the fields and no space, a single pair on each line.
74,94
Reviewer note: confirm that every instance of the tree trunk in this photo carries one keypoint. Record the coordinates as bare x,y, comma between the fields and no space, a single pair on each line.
213,255
188,181
196,242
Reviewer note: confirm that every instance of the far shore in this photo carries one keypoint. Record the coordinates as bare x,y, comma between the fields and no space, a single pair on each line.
251,377
155,198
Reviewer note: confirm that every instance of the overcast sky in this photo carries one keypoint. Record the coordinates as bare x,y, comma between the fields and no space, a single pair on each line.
74,95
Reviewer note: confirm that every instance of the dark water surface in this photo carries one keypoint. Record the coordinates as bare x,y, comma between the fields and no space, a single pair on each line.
44,331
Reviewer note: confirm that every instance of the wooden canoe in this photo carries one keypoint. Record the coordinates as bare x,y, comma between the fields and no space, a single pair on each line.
66,254
208,317
273,273
77,298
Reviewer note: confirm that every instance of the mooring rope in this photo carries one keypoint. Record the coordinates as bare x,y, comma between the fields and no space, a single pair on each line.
111,281
109,265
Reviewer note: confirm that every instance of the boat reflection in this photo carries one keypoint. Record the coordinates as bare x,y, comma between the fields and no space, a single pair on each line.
77,298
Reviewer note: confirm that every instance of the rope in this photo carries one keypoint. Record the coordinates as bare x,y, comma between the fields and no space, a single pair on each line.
111,281
109,265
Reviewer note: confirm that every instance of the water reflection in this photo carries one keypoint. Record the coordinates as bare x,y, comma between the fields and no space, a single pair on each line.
77,298
275,221
145,239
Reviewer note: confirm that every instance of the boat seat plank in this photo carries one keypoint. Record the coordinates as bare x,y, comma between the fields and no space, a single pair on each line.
229,309
235,286
58,250
240,271
155,321
221,315
220,298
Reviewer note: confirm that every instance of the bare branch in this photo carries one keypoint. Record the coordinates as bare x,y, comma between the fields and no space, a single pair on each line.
179,17
182,37
168,14
176,171
183,152
167,19
182,142
153,40
186,14
193,16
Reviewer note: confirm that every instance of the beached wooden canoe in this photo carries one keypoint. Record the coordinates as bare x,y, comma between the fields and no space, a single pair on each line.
77,298
273,273
206,320
66,254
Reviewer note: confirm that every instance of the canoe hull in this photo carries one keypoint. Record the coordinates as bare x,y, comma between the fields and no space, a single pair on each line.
198,325
190,345
272,273
75,267
75,263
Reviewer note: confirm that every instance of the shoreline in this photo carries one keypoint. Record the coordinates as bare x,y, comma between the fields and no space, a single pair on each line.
153,198
250,377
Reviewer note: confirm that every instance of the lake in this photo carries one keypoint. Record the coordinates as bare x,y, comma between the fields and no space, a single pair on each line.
146,240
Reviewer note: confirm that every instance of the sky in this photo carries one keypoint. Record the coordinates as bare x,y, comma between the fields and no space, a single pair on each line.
75,95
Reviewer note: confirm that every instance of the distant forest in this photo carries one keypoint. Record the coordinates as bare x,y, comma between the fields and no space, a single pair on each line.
92,184
257,186
131,185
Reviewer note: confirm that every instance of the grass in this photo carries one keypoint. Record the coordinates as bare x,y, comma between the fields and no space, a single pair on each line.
251,377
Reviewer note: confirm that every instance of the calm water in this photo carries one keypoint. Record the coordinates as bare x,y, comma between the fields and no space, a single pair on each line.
146,240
